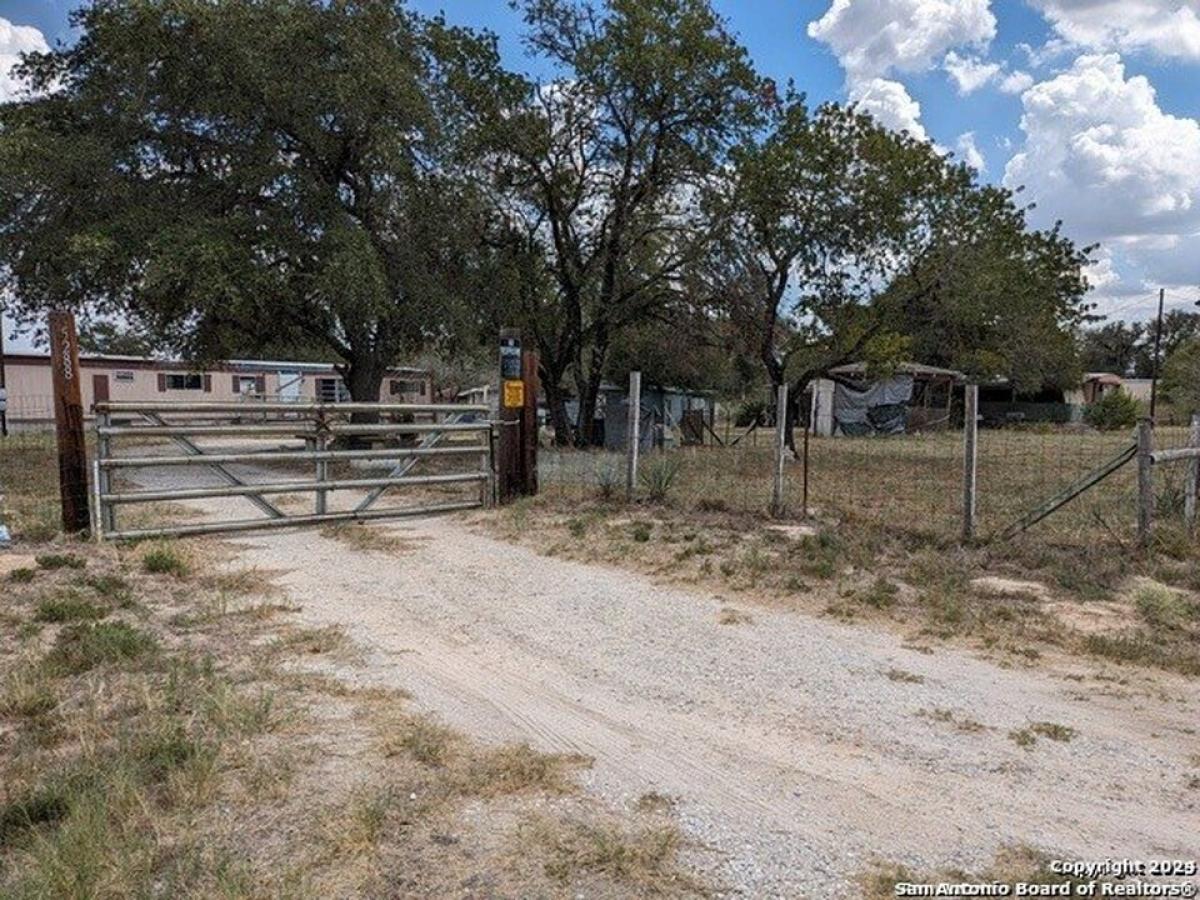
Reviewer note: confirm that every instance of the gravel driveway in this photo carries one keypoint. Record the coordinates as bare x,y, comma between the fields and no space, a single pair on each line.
800,749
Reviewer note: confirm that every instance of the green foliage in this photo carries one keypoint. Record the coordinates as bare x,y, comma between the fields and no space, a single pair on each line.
68,608
83,647
165,560
302,190
61,561
657,476
1181,378
1115,410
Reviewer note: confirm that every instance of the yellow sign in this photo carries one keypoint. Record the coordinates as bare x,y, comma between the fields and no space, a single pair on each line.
514,394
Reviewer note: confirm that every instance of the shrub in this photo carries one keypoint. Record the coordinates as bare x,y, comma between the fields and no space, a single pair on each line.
21,576
68,608
608,481
658,475
165,560
1115,410
60,561
83,647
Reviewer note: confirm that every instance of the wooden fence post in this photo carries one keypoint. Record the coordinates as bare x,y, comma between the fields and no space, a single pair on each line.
68,418
970,459
781,418
516,454
1193,477
633,434
1145,482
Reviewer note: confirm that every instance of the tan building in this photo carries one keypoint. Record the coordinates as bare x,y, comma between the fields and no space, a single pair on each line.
132,378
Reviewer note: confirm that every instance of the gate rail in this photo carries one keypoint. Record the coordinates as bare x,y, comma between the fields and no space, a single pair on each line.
316,425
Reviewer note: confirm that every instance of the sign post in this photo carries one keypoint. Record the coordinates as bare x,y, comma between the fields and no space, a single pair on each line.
516,453
68,418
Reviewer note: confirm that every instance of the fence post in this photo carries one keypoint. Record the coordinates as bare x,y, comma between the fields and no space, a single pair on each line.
970,459
1193,477
1145,481
633,434
68,417
781,418
321,444
529,422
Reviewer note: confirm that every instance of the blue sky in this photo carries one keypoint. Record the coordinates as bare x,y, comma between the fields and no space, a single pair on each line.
1090,104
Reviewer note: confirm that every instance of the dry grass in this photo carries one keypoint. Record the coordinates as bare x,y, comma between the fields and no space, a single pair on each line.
922,587
367,538
1012,865
642,859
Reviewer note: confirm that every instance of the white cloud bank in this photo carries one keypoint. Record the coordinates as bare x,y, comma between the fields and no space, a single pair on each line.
970,153
875,38
15,40
1169,28
1102,156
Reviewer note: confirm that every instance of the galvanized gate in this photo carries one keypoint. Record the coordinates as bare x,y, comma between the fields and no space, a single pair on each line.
180,453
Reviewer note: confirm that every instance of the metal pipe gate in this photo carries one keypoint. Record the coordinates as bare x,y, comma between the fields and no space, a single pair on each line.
439,434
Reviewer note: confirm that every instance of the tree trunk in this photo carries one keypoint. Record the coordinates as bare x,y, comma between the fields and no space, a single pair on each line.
588,384
556,404
362,378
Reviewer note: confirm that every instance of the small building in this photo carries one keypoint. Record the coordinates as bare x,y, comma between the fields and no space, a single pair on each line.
914,397
142,379
669,415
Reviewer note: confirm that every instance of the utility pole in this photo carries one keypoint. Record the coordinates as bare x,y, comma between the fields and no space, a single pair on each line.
1157,345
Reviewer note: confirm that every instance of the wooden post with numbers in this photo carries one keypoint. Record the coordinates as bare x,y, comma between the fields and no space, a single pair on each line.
68,419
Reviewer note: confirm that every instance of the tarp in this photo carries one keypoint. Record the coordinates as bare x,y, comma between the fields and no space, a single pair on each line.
878,408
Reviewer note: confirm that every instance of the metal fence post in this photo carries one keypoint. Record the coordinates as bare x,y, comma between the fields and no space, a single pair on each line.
1145,481
781,418
321,444
1193,477
970,459
633,434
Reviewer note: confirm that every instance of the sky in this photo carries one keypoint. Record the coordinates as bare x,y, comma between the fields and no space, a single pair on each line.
1092,107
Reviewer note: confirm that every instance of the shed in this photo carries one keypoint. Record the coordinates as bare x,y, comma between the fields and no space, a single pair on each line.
913,397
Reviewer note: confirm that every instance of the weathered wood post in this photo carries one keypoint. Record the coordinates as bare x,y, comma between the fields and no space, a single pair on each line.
1145,481
68,418
970,459
633,434
516,455
512,406
781,419
1193,477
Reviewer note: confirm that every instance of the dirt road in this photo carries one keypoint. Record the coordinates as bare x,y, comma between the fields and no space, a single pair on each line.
799,749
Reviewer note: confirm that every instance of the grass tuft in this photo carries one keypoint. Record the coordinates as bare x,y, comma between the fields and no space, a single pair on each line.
68,608
83,647
165,559
60,561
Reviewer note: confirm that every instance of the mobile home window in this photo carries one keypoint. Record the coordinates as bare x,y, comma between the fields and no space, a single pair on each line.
185,381
331,390
400,386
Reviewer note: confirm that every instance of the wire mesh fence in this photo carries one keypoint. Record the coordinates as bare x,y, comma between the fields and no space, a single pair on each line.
909,483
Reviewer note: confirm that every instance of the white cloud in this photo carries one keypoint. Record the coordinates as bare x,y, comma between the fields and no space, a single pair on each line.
15,40
890,104
969,151
1016,82
875,38
1102,156
1169,28
970,73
